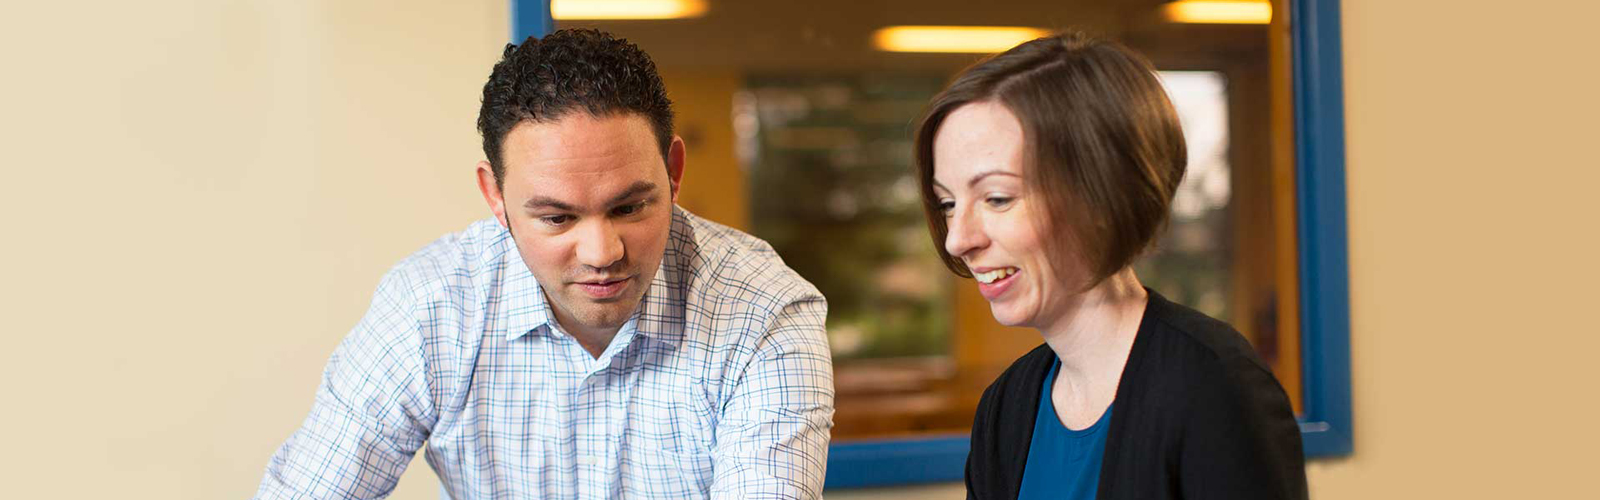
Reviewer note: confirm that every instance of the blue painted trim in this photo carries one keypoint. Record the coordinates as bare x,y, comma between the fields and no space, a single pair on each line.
856,464
1324,245
530,18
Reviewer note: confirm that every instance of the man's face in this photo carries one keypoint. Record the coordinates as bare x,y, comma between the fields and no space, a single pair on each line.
589,203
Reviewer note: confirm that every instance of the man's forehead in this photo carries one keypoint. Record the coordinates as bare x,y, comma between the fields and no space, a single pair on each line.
580,133
580,137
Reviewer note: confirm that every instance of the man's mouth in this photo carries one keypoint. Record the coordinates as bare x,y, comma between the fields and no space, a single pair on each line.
604,288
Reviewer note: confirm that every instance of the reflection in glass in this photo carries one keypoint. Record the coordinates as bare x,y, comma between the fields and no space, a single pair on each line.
832,192
1191,262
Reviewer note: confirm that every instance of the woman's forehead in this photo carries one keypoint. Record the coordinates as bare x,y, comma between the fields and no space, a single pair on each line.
976,142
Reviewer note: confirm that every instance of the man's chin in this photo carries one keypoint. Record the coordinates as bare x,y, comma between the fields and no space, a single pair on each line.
609,315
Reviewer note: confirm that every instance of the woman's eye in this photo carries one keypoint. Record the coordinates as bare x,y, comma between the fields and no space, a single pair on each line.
946,206
998,201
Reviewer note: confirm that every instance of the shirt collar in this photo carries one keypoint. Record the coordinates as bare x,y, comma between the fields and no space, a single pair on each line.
661,311
525,306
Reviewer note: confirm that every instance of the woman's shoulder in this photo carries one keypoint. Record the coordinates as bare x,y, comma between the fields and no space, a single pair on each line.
1190,357
1185,337
1239,438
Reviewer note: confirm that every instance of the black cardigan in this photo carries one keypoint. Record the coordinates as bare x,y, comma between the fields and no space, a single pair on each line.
1197,416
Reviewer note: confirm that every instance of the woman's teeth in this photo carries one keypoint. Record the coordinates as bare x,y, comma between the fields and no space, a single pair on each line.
995,275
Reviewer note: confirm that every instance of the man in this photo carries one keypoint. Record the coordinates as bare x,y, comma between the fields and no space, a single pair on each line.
592,340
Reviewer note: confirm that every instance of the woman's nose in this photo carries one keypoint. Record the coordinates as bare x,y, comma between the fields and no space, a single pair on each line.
964,234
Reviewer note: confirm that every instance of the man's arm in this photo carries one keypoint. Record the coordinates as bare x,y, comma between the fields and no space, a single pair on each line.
772,439
372,411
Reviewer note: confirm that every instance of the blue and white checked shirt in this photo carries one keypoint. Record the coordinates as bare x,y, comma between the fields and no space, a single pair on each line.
720,386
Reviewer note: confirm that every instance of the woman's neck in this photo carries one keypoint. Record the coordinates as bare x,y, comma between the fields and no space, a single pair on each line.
1094,335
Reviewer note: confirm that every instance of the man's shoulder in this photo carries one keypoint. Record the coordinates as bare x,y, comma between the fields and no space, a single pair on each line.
721,256
457,259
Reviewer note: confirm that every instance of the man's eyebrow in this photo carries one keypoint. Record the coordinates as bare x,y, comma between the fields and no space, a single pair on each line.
633,190
548,202
637,188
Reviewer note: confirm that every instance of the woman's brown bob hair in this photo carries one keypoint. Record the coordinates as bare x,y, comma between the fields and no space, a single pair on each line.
1103,147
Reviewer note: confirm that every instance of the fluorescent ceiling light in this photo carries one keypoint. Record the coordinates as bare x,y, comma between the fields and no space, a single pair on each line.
626,9
1219,12
964,39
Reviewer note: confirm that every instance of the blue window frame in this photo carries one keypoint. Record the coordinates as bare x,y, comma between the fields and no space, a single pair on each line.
1324,265
530,18
1320,198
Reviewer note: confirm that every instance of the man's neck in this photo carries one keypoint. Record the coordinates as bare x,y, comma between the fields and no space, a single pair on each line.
593,340
595,343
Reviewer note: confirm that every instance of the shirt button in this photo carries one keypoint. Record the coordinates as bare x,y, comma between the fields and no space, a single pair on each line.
588,460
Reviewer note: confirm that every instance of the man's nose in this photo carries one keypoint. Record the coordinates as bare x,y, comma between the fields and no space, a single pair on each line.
600,245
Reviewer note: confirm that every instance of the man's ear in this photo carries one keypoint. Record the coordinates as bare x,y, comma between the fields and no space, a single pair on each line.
491,192
675,156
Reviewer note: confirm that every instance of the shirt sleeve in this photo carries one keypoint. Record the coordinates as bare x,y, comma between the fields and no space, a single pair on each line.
772,438
371,414
1242,440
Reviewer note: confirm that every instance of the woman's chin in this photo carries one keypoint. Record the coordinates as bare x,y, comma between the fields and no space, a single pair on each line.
1008,315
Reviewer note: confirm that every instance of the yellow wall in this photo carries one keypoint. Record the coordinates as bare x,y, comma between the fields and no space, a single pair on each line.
199,197
198,200
713,183
1472,178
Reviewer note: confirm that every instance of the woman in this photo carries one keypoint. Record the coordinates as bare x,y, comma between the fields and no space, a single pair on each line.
1045,171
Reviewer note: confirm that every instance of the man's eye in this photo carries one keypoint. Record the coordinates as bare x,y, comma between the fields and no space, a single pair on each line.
629,209
556,220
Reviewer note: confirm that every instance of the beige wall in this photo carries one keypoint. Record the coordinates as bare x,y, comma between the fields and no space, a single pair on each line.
198,200
199,197
1472,177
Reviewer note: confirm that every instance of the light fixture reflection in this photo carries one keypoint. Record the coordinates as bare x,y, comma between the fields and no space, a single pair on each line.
959,39
1219,12
626,9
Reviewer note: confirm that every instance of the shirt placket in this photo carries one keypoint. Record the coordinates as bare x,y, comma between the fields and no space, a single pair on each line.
590,441
600,394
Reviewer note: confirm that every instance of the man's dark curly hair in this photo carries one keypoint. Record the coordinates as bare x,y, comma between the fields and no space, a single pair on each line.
544,79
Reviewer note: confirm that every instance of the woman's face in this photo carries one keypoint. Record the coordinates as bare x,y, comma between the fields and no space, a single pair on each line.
991,215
